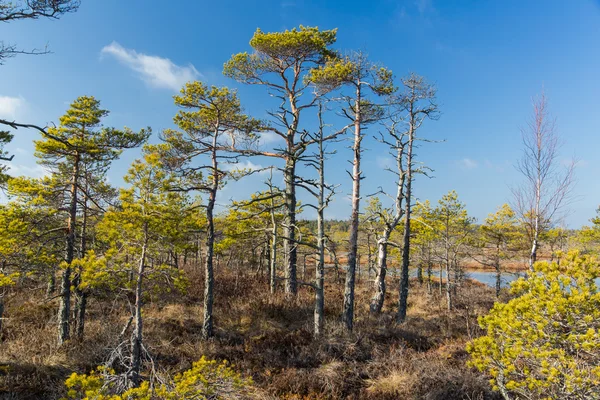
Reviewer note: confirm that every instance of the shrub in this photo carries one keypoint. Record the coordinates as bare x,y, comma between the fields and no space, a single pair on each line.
545,343
207,379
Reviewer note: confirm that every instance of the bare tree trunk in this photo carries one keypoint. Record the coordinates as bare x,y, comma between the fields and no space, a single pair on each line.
81,295
534,247
81,309
498,271
273,261
348,310
320,283
404,281
64,309
390,225
304,267
207,324
320,267
369,255
380,288
441,275
458,275
448,282
136,337
429,267
290,248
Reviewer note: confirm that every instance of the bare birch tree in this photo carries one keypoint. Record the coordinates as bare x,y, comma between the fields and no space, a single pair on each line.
547,185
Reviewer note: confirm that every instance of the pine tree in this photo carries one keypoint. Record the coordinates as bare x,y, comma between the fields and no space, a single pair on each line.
79,140
136,232
213,129
281,62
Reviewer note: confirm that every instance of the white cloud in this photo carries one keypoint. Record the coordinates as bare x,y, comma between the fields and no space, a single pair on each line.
269,137
10,106
155,71
37,171
467,163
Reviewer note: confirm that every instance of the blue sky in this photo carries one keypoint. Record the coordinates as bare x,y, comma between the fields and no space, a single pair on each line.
486,58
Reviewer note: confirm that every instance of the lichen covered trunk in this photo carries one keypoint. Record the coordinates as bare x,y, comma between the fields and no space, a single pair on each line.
80,293
273,261
289,175
448,283
408,177
320,278
320,267
348,308
64,309
137,336
380,288
207,323
81,310
534,247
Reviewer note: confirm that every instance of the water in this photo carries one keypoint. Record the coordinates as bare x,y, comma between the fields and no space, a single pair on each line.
485,277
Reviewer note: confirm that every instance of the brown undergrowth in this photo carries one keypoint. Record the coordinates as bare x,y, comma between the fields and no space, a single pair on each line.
264,336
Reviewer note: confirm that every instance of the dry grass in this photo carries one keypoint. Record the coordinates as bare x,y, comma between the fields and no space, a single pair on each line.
267,337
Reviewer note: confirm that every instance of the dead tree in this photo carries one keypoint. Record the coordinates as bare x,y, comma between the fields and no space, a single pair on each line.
418,103
394,137
323,193
11,11
362,78
547,186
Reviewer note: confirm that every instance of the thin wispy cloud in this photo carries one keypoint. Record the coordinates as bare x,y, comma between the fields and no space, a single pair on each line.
467,163
10,106
156,71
